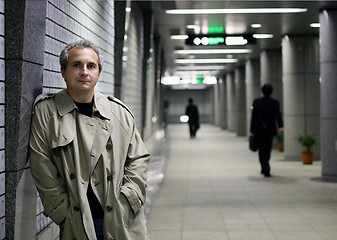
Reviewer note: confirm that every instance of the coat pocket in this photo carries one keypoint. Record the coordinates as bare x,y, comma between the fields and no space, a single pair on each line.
126,210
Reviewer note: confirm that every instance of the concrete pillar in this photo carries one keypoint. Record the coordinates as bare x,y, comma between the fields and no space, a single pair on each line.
120,14
240,95
216,104
271,72
252,87
24,55
328,64
301,92
231,106
223,103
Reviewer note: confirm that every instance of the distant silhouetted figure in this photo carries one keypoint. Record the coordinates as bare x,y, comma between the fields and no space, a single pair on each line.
193,117
266,112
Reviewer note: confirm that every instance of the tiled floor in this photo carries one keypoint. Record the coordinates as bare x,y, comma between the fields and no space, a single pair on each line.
213,190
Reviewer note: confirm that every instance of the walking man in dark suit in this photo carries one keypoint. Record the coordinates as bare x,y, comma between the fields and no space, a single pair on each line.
266,112
193,117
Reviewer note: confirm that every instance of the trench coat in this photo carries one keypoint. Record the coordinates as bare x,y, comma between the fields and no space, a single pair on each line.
118,163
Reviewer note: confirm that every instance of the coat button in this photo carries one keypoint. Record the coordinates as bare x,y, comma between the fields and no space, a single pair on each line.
77,209
109,178
109,146
108,208
72,176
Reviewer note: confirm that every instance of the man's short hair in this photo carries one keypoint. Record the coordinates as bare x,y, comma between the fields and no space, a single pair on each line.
80,44
267,89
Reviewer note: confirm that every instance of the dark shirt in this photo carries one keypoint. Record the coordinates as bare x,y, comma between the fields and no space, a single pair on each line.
192,113
95,207
266,113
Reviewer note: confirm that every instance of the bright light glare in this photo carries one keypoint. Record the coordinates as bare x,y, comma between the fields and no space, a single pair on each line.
179,37
209,80
256,25
263,36
184,118
170,80
213,51
200,67
236,41
236,11
217,60
315,25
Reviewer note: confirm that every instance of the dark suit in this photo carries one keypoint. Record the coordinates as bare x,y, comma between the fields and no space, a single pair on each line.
266,112
193,118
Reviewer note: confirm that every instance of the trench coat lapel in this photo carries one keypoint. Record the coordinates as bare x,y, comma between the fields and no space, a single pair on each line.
103,129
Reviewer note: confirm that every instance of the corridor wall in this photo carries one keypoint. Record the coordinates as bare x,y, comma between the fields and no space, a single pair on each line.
2,120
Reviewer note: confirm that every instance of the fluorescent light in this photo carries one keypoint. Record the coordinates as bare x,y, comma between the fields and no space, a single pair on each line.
217,60
191,26
195,72
213,51
170,80
256,25
236,41
188,68
209,80
263,35
179,37
189,86
236,11
315,25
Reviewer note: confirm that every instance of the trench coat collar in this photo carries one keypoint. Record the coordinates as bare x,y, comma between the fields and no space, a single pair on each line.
65,104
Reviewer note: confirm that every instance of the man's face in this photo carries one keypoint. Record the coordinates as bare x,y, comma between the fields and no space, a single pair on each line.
82,71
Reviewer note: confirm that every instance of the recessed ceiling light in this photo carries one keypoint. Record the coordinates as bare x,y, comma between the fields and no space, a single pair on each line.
263,35
191,26
179,37
216,60
256,25
236,11
315,25
213,51
236,41
203,67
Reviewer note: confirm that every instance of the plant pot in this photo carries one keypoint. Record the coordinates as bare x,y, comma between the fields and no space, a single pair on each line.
280,147
307,157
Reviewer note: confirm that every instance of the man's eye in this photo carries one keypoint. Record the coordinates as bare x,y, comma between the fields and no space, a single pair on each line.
92,66
76,65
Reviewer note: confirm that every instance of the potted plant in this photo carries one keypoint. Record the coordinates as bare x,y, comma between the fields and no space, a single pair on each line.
280,139
307,141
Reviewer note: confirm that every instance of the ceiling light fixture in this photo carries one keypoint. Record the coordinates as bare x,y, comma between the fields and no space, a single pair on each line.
256,25
263,36
203,67
236,41
216,60
236,11
213,51
315,25
179,37
191,26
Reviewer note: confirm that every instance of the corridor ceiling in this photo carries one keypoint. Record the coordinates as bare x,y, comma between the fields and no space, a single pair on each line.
230,24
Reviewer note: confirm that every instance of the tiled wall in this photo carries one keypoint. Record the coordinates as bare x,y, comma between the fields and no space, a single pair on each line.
2,120
132,69
69,21
72,20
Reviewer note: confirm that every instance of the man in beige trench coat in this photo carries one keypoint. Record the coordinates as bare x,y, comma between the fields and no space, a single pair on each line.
88,160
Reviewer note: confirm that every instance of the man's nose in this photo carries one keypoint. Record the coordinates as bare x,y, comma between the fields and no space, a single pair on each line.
84,70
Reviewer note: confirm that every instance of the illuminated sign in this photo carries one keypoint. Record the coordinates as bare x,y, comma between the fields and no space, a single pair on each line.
211,39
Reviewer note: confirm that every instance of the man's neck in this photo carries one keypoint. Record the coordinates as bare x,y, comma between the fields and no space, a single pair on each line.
82,97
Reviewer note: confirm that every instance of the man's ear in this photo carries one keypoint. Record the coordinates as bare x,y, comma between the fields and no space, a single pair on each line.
63,71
